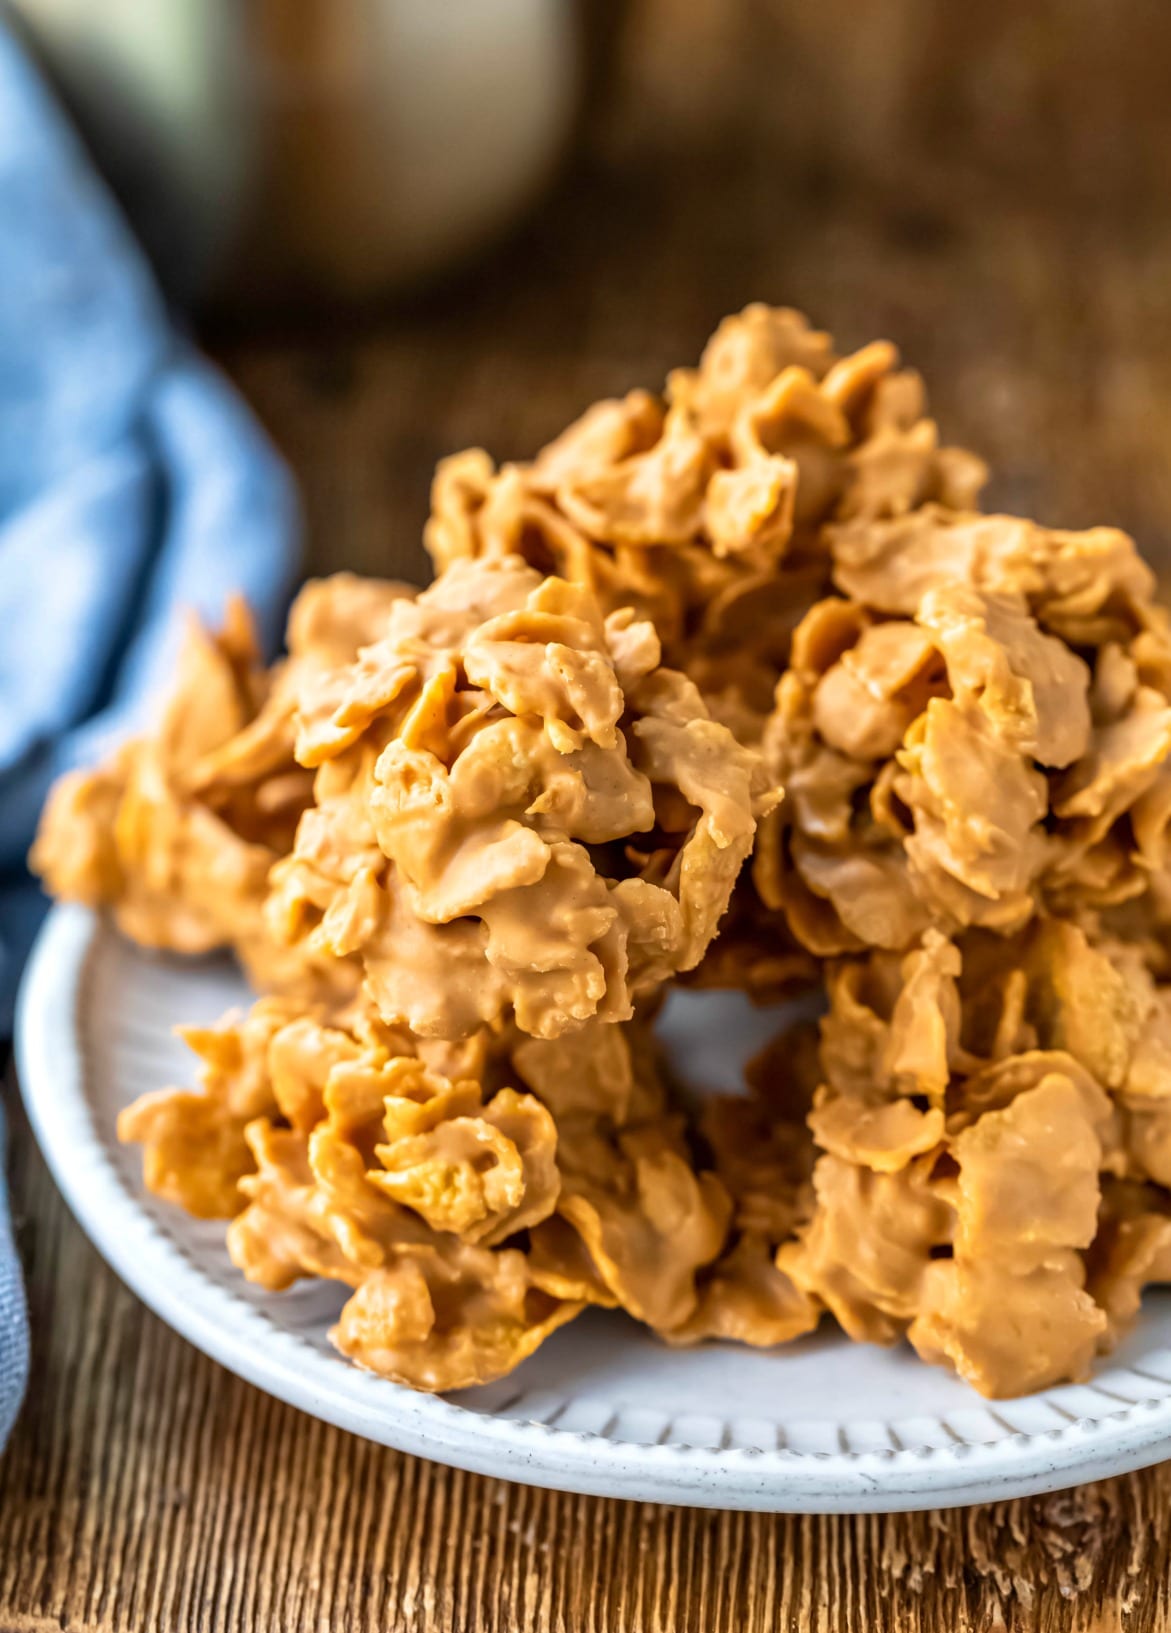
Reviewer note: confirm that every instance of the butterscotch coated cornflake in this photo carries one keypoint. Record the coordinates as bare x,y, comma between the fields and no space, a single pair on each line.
518,813
730,687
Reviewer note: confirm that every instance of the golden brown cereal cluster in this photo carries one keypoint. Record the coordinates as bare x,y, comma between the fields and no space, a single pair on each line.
518,812
474,1196
704,510
995,1133
463,841
977,728
177,834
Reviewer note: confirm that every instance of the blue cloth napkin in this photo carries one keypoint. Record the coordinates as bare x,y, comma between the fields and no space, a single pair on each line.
133,485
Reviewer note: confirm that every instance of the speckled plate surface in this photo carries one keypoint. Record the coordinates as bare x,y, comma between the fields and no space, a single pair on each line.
823,1425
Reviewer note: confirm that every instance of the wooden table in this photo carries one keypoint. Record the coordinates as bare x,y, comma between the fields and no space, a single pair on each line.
990,186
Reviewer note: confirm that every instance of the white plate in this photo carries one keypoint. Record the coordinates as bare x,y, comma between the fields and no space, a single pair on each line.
824,1425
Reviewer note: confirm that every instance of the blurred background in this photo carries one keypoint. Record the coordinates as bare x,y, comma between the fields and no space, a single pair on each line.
404,227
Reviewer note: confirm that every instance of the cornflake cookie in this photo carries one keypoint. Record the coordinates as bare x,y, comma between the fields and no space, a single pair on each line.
978,731
475,1197
178,832
995,1130
703,510
517,813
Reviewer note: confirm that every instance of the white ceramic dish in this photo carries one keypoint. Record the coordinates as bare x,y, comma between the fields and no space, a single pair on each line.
822,1426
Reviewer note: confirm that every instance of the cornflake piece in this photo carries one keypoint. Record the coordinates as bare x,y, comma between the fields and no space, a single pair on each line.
444,1315
1131,1250
1009,1335
869,1244
195,1149
649,1223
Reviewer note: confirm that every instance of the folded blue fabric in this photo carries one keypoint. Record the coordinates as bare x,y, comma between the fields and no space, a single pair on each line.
133,486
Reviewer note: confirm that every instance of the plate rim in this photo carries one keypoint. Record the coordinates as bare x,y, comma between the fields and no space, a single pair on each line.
241,1338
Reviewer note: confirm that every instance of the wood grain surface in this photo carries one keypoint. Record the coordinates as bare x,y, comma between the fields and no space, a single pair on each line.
990,186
